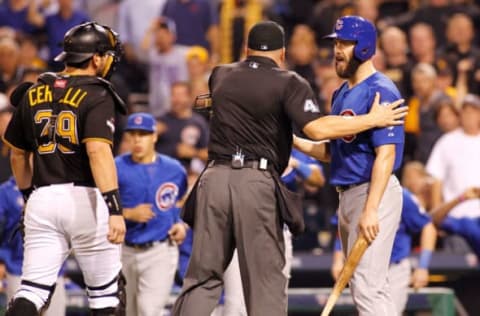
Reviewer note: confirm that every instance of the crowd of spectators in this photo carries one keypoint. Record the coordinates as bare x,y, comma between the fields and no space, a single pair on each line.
429,48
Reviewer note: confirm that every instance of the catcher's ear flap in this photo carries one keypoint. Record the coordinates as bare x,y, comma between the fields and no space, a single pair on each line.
19,92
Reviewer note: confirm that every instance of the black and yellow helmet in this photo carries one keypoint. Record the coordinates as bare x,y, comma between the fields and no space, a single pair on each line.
82,41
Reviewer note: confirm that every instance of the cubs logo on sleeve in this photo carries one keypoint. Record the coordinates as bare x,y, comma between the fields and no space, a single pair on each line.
348,113
166,196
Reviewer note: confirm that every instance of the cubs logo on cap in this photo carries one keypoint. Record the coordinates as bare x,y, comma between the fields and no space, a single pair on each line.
339,25
141,121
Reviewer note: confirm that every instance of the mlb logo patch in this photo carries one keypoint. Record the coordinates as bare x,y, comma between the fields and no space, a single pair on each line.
60,83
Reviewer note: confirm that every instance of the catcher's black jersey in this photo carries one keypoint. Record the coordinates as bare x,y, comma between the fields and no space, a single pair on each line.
54,119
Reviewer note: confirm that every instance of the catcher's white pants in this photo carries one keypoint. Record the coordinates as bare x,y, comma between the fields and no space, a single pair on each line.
58,219
149,274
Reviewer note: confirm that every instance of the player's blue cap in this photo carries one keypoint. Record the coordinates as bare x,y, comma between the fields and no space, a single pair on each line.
141,122
359,30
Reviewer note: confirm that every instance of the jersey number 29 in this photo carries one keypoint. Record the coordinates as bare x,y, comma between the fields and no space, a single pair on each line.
63,125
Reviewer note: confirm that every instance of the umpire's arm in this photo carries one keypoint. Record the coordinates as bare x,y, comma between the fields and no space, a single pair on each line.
334,126
104,173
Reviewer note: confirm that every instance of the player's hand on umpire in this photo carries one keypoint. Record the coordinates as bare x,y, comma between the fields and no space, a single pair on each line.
141,213
389,114
116,229
369,224
178,232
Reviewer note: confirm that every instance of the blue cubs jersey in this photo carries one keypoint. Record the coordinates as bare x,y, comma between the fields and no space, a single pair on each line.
289,177
468,228
353,156
411,223
162,184
11,246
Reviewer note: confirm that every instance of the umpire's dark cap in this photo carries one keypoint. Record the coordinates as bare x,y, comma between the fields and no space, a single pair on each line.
141,122
266,36
472,100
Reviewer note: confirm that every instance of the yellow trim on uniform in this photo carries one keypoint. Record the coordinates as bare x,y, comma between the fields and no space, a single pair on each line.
11,145
97,139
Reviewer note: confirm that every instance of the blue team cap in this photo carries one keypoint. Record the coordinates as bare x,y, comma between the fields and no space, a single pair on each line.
141,122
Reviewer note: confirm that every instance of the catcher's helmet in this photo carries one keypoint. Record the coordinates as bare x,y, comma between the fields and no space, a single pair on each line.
82,41
359,30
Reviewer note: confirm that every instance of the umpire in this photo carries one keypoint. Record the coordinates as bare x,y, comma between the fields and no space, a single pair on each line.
238,199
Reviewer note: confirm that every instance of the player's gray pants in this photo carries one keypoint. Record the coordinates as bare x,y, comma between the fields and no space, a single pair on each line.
399,275
149,274
236,208
369,284
58,304
234,300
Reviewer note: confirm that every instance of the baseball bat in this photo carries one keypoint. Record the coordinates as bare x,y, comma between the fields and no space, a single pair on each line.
351,263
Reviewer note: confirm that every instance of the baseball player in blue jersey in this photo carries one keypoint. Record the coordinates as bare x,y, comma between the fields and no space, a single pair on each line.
466,227
413,221
150,186
11,247
301,168
362,165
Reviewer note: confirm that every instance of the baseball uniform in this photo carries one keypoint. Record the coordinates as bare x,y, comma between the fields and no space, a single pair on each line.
65,212
149,258
351,171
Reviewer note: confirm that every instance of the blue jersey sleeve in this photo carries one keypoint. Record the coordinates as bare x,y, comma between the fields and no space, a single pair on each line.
387,135
183,185
412,218
468,228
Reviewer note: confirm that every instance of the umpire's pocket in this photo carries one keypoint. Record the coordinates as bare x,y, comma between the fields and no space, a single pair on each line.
290,208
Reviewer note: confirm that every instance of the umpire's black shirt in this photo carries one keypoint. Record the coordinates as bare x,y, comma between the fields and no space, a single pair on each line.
254,104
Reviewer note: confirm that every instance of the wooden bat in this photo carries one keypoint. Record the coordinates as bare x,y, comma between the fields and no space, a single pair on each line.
351,263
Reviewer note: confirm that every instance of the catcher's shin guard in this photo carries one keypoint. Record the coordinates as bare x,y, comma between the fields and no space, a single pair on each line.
119,310
21,307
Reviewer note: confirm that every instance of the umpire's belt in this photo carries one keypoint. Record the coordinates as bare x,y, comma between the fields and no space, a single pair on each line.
343,188
145,245
260,164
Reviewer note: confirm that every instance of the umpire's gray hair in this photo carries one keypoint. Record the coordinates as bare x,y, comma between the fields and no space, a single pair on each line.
426,69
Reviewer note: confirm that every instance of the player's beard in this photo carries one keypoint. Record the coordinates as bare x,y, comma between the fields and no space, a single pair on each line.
349,70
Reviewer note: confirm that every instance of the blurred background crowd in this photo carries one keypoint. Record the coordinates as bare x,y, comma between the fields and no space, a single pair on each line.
429,48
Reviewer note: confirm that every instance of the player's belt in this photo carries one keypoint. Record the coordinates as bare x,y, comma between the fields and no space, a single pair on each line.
75,183
343,188
145,245
260,164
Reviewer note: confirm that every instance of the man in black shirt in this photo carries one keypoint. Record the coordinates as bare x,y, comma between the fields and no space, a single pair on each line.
239,202
182,134
64,123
